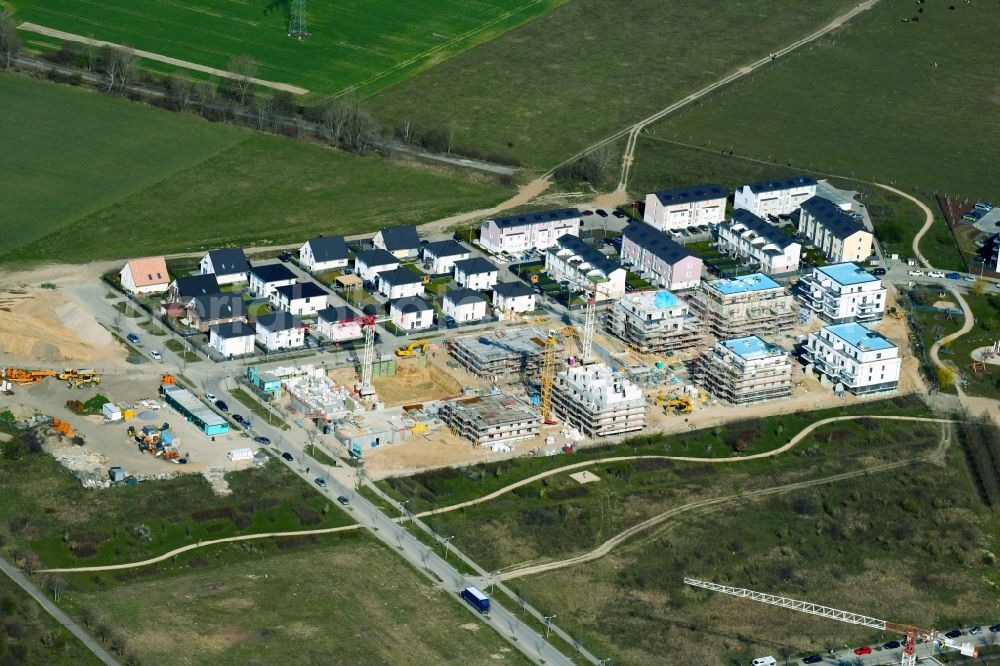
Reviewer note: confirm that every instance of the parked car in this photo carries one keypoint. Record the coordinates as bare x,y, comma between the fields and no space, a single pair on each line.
320,482
877,271
348,271
343,500
935,274
211,397
601,212
586,213
242,421
864,649
954,633
133,338
285,256
994,628
450,322
287,456
953,276
617,213
975,631
969,278
812,659
915,273
221,406
262,440
156,355
890,645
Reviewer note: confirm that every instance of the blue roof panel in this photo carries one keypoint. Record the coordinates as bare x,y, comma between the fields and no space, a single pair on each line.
744,284
860,336
847,273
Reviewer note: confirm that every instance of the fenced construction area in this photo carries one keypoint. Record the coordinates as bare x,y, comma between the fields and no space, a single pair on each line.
366,44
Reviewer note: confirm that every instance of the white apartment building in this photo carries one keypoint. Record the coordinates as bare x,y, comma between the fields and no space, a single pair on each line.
597,402
763,245
843,293
654,322
854,358
572,259
683,207
837,234
745,370
518,233
657,258
280,330
775,197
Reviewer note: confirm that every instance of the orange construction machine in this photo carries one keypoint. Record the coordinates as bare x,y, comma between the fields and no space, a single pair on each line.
62,427
168,380
19,376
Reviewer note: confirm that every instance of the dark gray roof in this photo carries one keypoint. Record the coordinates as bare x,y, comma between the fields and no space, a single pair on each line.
535,218
462,295
197,285
375,258
229,261
338,313
591,255
762,228
695,193
786,184
513,289
475,265
410,304
272,272
400,276
328,248
219,306
655,241
302,290
446,248
832,216
234,329
279,321
400,238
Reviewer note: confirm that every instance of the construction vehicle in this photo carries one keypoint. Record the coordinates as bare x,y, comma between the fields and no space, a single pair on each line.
168,380
79,378
679,405
62,427
19,376
410,349
913,634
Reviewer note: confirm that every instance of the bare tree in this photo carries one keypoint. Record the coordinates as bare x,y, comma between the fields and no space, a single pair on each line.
119,65
10,43
56,586
245,69
181,92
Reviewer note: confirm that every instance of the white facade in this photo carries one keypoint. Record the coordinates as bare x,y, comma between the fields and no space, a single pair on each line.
476,274
263,286
369,264
580,264
685,207
229,344
855,357
751,238
592,399
339,326
400,283
332,254
843,293
300,299
513,300
273,336
779,197
440,258
411,314
145,276
463,309
519,233
229,266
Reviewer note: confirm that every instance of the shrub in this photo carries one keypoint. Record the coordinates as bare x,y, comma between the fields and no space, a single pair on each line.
212,514
306,514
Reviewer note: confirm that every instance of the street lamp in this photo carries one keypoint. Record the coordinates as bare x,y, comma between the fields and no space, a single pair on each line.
446,541
548,623
403,509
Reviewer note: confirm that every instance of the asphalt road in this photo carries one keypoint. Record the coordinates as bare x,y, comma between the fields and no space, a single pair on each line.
15,575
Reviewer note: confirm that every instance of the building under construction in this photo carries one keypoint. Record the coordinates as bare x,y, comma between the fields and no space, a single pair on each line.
748,305
489,420
654,322
745,370
510,352
598,402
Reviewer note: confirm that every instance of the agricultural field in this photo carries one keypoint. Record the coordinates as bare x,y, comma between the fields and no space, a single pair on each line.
67,153
209,185
909,543
344,600
911,104
364,44
589,68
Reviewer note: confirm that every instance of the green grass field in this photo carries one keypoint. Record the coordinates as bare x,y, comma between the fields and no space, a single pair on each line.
588,68
66,153
133,180
335,601
32,636
912,104
367,44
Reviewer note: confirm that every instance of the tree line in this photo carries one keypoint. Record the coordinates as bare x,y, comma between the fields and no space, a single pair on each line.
980,440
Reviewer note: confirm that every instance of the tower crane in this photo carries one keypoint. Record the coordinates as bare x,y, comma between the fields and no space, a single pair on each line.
912,633
547,373
364,387
592,289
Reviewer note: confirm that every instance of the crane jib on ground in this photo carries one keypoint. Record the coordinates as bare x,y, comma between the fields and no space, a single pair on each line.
913,634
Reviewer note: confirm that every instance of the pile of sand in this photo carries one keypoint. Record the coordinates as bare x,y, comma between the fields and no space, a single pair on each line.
43,326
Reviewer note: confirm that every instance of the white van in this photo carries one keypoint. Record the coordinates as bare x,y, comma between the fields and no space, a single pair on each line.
764,661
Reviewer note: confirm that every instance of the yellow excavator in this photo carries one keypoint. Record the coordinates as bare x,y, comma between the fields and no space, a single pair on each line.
679,405
410,349
79,378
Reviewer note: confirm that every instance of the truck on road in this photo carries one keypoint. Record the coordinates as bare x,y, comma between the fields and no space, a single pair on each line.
476,599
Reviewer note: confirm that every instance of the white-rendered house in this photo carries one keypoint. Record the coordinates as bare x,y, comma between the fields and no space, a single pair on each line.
464,305
686,206
510,298
324,253
369,263
145,276
411,313
265,279
303,299
232,339
476,273
230,266
400,283
775,197
440,257
280,330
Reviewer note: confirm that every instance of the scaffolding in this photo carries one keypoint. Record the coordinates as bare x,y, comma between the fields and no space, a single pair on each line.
598,402
748,305
491,420
654,322
511,352
744,371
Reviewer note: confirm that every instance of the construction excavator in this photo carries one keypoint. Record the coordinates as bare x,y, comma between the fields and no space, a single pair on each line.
19,376
79,378
410,349
679,405
62,427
